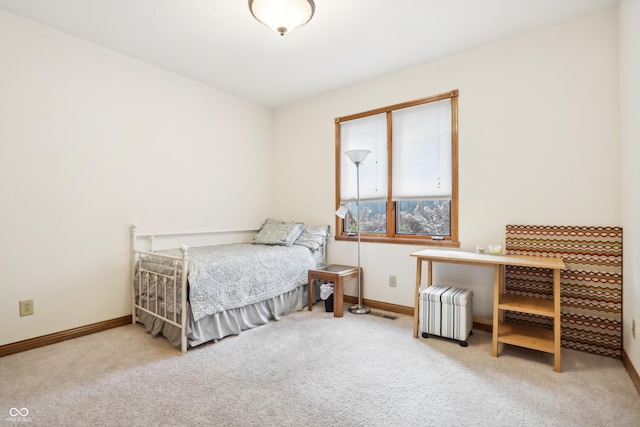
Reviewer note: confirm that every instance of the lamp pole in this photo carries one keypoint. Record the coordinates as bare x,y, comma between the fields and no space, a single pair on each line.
357,157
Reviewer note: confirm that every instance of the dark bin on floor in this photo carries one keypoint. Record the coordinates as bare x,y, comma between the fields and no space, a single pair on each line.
328,304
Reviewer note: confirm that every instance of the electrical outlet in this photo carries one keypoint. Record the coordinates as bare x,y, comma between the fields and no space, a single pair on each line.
633,328
26,307
392,281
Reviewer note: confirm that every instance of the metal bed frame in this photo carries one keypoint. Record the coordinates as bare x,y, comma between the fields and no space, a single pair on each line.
168,280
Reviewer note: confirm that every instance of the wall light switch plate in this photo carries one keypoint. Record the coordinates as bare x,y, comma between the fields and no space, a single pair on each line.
392,281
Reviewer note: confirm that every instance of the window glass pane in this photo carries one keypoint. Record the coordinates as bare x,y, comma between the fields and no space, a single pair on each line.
373,217
423,217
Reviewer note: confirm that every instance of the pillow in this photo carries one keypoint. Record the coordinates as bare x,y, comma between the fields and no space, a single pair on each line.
313,237
275,232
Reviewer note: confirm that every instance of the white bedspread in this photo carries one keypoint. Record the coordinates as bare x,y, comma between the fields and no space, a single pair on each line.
224,277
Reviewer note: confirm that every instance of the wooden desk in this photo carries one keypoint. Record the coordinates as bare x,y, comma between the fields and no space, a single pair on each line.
336,274
504,332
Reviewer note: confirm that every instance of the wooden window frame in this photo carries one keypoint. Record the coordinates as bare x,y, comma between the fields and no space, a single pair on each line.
391,237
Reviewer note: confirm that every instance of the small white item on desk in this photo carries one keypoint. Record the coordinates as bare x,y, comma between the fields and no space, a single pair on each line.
495,249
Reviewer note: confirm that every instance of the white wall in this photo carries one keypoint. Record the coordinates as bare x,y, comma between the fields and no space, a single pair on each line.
76,118
76,121
539,131
629,17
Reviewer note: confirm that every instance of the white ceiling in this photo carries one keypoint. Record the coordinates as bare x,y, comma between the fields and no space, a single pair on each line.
220,44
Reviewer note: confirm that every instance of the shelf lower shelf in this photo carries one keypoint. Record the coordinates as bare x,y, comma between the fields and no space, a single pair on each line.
526,336
524,304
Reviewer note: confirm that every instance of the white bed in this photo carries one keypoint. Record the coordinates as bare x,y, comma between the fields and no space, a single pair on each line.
231,287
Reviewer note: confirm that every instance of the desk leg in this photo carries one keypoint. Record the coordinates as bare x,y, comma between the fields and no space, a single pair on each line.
496,318
556,320
416,306
501,287
338,297
310,291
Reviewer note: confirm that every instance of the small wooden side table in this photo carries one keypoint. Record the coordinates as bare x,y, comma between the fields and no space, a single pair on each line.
336,274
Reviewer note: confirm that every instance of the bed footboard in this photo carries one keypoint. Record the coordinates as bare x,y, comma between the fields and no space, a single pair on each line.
166,294
162,294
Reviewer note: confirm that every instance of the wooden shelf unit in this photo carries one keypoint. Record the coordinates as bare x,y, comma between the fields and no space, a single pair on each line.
504,332
535,338
522,335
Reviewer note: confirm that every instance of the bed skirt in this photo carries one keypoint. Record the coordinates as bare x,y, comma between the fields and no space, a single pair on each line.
230,322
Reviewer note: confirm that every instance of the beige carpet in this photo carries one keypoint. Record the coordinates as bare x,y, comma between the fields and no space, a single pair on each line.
311,369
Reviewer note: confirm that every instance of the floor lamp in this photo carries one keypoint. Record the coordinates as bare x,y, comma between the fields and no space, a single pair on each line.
357,157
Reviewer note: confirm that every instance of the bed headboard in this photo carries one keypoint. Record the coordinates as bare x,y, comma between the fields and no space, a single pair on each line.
590,286
157,241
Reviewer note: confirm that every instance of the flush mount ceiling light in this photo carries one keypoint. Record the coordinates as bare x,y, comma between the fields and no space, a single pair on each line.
282,16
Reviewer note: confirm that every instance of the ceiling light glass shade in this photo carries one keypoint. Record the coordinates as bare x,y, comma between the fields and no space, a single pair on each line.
357,156
282,16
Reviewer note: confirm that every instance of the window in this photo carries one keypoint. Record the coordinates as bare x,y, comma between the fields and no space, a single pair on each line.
409,181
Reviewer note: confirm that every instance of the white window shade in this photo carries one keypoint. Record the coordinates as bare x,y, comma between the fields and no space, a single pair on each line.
422,151
368,133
